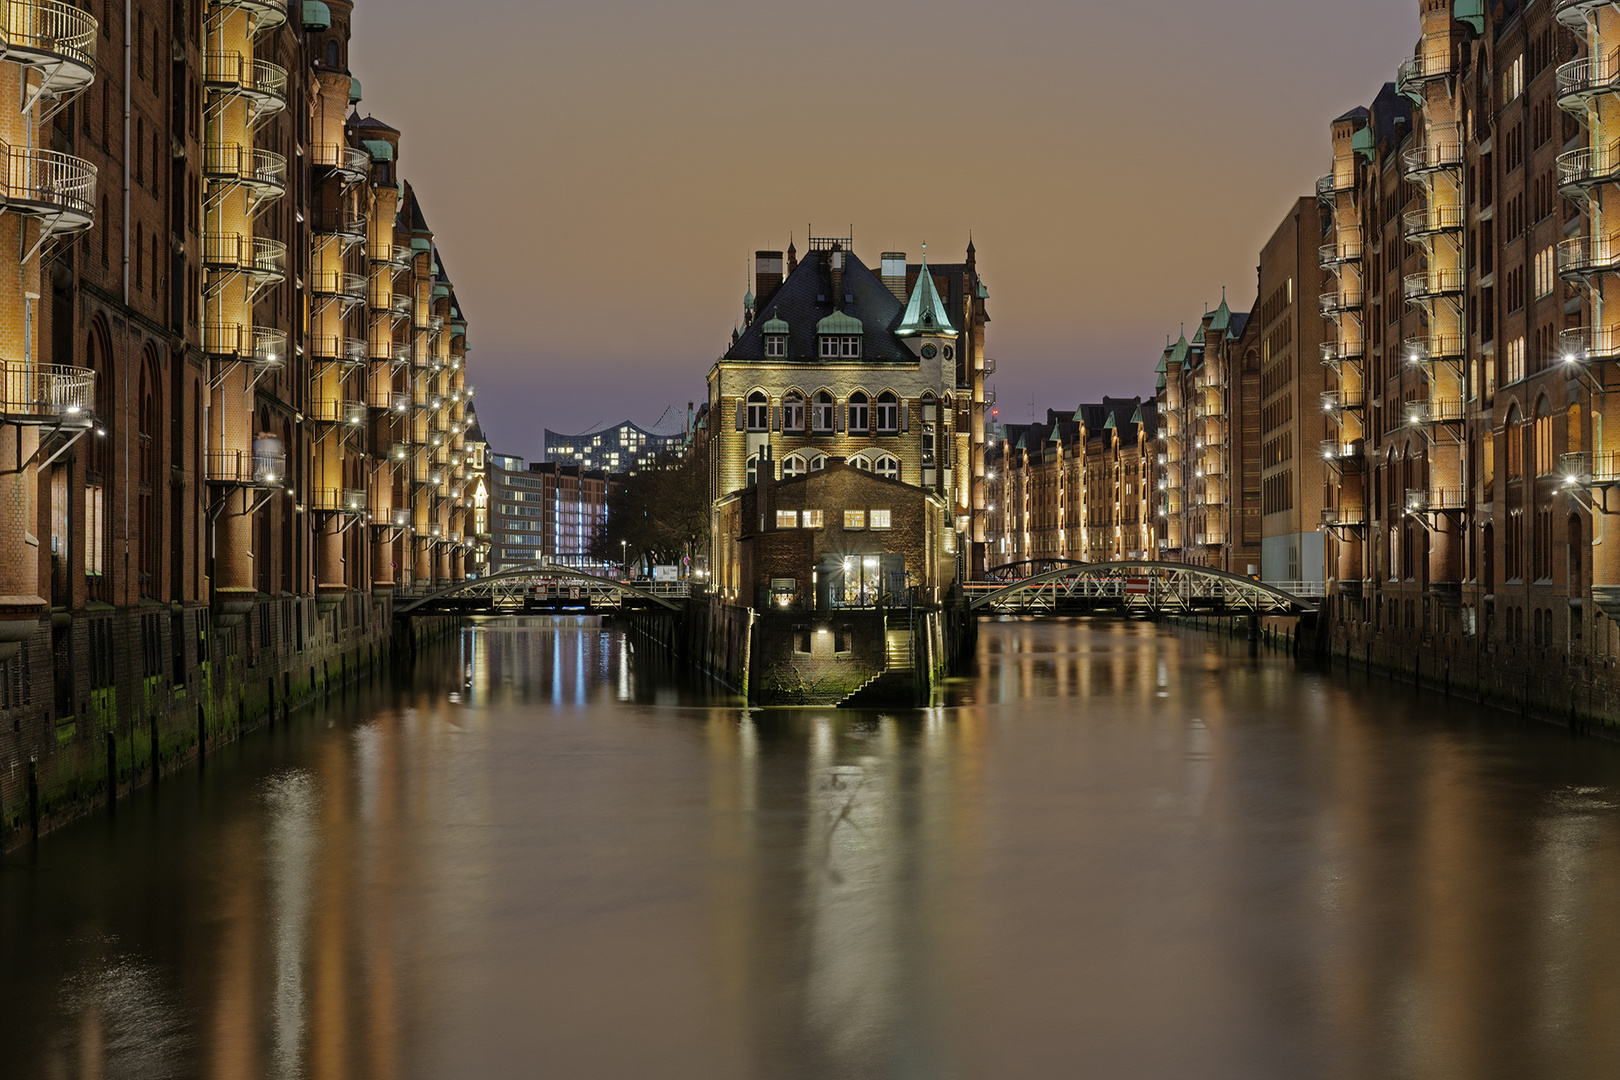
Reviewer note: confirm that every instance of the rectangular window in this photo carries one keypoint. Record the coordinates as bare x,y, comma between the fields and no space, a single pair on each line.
854,519
850,346
812,519
787,519
829,348
775,345
880,519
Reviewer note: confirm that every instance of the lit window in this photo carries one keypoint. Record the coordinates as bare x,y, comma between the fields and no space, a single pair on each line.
887,413
858,412
821,414
880,519
854,519
888,467
787,519
812,519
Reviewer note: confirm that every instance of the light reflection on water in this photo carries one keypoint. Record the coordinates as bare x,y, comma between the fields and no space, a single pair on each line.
1113,850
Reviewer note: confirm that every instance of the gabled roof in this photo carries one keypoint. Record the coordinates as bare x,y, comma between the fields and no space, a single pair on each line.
925,311
805,299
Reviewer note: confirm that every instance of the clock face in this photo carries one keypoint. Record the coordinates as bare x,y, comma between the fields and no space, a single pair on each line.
928,351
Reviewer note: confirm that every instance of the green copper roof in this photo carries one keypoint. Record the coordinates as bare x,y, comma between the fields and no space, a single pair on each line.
1163,366
1056,436
1223,316
1109,422
1020,444
1471,12
1178,354
380,151
839,323
420,243
441,291
1361,141
775,326
354,90
317,16
925,311
1161,382
1136,417
748,299
1078,417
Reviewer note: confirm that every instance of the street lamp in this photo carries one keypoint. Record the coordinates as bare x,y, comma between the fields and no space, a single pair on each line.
624,558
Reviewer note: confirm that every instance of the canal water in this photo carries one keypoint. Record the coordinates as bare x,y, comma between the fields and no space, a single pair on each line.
1117,850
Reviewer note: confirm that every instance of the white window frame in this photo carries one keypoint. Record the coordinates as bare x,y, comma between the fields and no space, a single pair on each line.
760,421
776,345
886,418
880,519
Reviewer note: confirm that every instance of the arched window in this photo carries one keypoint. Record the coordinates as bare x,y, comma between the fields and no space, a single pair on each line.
859,419
99,472
1515,444
793,465
888,466
887,420
818,462
1574,538
1541,439
759,412
332,53
793,411
753,470
146,491
860,462
821,413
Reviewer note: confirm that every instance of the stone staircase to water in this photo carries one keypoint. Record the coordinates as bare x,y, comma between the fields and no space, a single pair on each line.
894,685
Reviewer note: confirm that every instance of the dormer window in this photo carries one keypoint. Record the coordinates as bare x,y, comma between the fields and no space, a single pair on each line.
841,346
776,345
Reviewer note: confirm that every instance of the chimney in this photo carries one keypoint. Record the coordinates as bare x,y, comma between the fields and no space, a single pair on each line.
894,273
836,261
765,489
767,276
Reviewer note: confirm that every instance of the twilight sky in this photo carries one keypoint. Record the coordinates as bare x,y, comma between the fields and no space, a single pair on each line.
599,172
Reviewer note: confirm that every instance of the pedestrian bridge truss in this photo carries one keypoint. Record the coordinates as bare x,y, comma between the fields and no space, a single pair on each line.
1059,587
539,589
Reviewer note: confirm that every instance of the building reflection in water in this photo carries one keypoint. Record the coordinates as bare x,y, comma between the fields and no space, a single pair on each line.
1114,849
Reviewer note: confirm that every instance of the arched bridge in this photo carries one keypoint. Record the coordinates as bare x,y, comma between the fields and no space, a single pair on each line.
540,589
1131,587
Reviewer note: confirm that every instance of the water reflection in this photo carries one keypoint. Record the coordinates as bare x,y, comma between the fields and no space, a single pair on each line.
1114,850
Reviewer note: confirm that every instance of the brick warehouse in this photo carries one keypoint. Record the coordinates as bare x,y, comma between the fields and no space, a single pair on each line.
234,397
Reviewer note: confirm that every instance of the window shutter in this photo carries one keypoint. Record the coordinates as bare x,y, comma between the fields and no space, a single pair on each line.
742,415
905,416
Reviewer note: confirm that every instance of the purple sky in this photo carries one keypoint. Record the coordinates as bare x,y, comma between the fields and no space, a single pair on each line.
599,173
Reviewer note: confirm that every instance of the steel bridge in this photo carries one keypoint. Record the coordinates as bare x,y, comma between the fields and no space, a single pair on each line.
541,589
1062,587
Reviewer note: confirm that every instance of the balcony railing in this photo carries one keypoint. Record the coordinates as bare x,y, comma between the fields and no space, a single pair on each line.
348,162
338,221
338,283
1428,220
1345,397
1343,516
402,450
1417,70
1434,411
1443,149
1341,450
46,184
1587,77
264,83
1584,256
1586,168
1432,284
234,253
1332,184
393,401
258,345
1422,350
1589,344
232,163
47,394
1336,300
348,351
338,411
1340,254
339,500
55,37
268,14
256,468
1587,468
1572,13
1335,353
1424,500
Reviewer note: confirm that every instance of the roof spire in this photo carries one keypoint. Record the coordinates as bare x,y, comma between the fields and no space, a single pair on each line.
925,311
